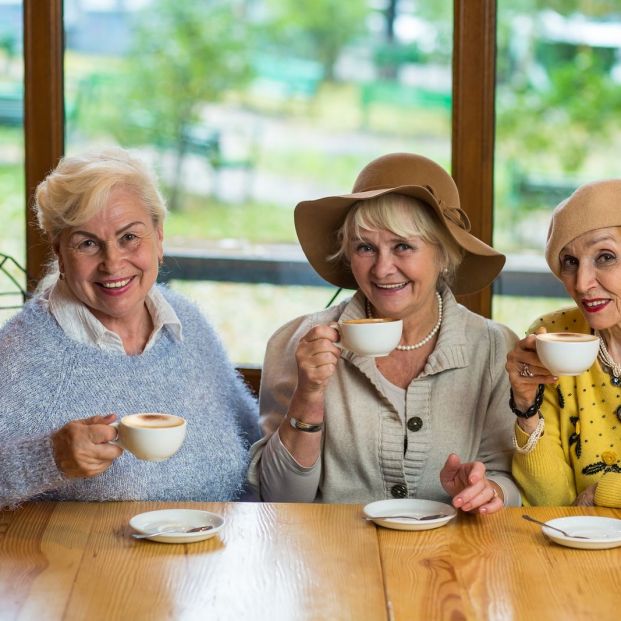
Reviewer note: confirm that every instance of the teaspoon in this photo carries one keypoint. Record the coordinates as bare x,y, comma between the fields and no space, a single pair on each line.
532,519
435,516
172,531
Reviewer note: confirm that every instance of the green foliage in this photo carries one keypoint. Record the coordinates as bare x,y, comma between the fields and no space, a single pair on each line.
209,219
185,54
316,30
580,104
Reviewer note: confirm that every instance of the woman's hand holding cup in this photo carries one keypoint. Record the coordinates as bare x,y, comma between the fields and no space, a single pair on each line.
526,372
82,447
316,357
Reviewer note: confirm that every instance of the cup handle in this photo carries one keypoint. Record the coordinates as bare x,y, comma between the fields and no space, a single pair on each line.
116,440
338,343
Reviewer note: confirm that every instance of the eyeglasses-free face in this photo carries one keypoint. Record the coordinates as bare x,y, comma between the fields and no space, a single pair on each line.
111,261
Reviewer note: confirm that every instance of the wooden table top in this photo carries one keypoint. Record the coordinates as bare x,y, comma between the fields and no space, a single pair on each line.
298,561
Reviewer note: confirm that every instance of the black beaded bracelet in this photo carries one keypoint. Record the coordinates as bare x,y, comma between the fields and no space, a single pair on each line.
533,409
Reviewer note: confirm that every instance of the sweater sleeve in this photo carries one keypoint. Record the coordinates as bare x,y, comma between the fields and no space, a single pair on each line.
544,474
273,473
608,490
27,468
495,448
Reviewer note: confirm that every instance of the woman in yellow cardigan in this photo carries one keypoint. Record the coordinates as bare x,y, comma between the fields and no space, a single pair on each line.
568,429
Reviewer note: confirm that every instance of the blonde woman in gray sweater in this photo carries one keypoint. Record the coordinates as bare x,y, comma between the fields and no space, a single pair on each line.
431,419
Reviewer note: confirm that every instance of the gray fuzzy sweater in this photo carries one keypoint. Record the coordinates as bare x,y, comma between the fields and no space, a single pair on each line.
47,379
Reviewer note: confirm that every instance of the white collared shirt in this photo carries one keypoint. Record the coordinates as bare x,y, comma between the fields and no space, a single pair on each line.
79,324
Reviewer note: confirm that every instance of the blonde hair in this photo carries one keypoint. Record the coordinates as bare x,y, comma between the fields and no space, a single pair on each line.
80,186
406,217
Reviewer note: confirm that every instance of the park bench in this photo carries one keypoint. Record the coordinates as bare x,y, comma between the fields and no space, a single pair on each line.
393,93
287,78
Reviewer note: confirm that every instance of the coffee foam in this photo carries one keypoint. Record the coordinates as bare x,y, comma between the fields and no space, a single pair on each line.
152,421
567,337
368,320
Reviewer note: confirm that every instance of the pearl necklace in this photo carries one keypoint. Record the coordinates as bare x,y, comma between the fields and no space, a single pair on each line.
427,338
606,360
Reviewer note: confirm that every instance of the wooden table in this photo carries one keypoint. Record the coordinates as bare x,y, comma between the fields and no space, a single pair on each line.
294,561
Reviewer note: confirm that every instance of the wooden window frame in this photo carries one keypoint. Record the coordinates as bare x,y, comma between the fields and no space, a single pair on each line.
474,53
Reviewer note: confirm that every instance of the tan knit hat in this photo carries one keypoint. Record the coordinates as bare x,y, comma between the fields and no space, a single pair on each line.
592,206
317,221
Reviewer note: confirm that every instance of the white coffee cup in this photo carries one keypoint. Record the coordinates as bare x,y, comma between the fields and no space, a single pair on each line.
369,337
567,353
151,436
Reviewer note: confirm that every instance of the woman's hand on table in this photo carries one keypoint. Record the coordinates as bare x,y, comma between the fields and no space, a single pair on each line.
82,449
586,498
468,486
526,372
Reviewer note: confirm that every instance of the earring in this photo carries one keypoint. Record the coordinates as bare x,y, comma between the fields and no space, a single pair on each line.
61,276
160,261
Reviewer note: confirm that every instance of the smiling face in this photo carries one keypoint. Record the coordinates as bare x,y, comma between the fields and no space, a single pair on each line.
591,273
111,261
397,275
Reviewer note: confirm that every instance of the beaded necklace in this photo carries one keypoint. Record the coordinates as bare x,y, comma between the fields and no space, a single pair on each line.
427,338
614,369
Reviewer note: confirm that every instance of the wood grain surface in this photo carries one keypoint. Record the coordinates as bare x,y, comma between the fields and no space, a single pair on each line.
272,561
500,567
297,562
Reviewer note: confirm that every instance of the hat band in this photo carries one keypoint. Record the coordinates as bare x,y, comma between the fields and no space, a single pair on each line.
456,215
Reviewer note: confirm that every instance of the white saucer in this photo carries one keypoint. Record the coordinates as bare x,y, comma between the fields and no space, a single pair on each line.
177,518
605,532
415,506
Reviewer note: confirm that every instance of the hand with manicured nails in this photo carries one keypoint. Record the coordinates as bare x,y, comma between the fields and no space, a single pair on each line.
525,388
82,449
468,486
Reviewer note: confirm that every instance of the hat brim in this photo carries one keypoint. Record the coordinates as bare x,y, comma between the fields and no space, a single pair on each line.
317,222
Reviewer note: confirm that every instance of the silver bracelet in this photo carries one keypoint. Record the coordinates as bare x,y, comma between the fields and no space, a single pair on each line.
533,438
302,426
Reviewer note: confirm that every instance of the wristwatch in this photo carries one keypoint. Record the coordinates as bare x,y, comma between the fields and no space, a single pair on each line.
302,426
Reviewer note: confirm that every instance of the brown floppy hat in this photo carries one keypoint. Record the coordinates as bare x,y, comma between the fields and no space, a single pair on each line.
317,221
592,206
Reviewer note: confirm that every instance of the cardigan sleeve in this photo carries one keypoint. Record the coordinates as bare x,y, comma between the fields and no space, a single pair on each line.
273,472
608,490
544,474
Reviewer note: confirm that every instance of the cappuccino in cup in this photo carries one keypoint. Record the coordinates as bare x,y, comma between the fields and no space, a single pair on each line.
370,337
151,436
567,353
152,421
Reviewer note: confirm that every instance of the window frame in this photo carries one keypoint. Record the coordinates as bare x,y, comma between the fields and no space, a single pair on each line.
473,120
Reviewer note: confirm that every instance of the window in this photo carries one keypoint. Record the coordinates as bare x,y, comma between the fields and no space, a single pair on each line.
246,109
12,232
557,101
467,154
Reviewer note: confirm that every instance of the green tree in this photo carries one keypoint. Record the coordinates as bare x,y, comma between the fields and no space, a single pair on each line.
317,30
185,54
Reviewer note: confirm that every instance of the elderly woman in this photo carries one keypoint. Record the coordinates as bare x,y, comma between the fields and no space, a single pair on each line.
102,339
578,458
426,421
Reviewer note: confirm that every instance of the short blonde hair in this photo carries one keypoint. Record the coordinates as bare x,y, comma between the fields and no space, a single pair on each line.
404,216
80,186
